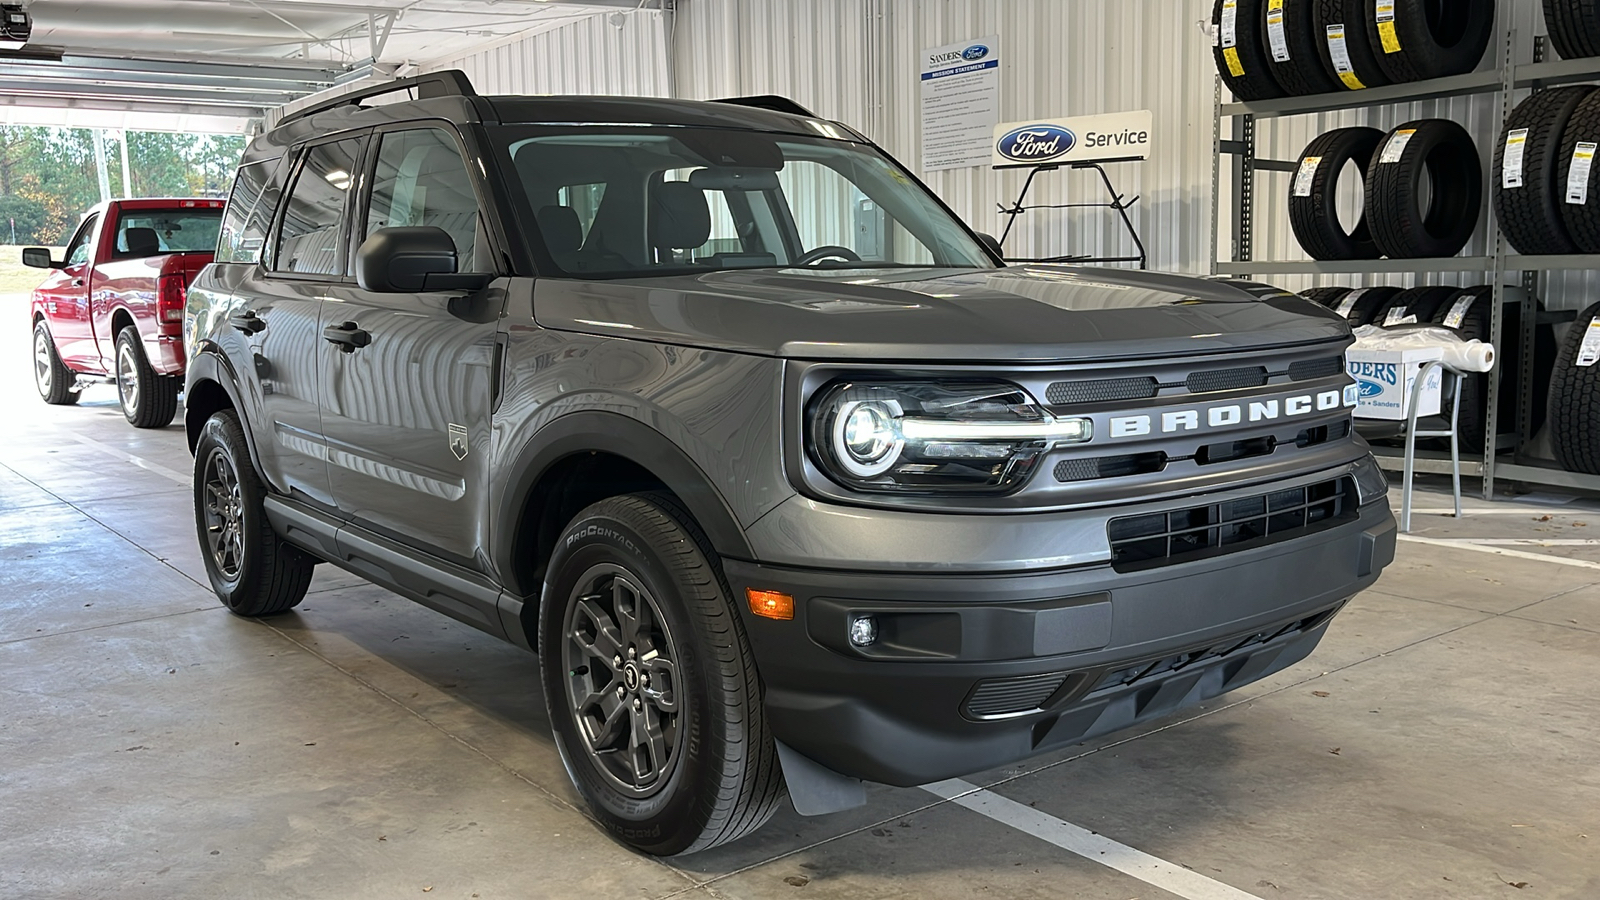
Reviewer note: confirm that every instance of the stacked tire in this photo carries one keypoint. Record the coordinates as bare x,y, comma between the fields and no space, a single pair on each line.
1541,164
1269,48
1575,396
1574,27
1399,218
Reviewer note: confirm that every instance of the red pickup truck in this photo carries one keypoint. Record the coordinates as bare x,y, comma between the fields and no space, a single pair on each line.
113,308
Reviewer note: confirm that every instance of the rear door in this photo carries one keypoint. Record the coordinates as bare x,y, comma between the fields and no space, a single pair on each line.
277,305
407,417
66,300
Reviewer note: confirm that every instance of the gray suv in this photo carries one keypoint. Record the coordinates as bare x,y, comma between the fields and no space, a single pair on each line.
790,482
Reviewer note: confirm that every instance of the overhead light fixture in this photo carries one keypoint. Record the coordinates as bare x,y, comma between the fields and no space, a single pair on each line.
16,26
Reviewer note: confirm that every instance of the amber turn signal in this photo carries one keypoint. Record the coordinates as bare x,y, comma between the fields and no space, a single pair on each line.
770,604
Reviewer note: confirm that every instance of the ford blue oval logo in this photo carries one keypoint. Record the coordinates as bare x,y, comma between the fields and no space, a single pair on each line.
1370,388
975,52
1036,143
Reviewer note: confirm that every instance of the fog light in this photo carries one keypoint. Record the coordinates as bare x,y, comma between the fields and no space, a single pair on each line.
863,630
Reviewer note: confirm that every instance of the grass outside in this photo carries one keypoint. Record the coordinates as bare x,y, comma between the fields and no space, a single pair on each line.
16,278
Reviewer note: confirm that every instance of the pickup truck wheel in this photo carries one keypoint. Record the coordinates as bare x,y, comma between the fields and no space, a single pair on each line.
56,383
149,399
650,683
253,572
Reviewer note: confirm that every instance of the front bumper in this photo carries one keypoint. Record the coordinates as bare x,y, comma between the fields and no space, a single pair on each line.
976,671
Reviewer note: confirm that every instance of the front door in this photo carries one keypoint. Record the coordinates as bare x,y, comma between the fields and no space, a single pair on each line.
406,417
66,301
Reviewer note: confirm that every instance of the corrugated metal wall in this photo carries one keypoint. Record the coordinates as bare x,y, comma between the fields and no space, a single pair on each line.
858,61
623,52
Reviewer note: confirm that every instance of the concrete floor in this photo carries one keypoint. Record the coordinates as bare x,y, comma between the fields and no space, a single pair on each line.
1443,742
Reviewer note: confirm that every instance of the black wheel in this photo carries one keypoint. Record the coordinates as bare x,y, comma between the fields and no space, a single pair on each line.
149,399
1314,195
1409,221
640,648
252,571
1578,199
1326,296
57,384
1528,198
1241,53
1344,47
1574,27
1430,38
1361,304
1414,306
1292,38
1574,397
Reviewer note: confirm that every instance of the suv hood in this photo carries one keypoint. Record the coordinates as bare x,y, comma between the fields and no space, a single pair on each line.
1019,314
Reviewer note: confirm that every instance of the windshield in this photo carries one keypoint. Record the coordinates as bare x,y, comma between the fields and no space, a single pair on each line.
617,202
152,232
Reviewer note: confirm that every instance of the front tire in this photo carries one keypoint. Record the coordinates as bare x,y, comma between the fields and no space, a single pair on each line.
650,683
56,383
149,399
253,572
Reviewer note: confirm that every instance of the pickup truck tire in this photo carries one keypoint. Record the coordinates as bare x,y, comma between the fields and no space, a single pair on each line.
634,597
253,572
1530,216
57,384
1403,225
1574,396
1432,39
1582,220
149,399
1574,27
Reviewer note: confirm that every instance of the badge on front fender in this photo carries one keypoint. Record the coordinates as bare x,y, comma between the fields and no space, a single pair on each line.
458,441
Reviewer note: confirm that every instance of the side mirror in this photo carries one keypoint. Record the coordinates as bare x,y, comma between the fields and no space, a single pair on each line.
412,260
38,258
989,241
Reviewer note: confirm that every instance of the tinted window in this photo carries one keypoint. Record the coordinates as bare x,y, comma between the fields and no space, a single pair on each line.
421,180
78,250
247,188
152,232
308,237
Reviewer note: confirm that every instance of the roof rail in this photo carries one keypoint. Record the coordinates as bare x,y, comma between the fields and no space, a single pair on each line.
770,102
446,83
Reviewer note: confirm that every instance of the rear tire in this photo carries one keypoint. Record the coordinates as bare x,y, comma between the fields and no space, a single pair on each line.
634,599
253,572
149,399
57,384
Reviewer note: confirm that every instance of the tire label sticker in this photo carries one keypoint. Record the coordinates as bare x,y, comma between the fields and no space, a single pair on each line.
1458,311
1341,58
1235,67
1589,351
1349,302
1275,35
1397,316
1396,147
1306,175
1230,23
1578,174
1511,169
1383,14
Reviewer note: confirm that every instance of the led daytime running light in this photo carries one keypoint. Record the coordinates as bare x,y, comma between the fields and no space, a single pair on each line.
1074,431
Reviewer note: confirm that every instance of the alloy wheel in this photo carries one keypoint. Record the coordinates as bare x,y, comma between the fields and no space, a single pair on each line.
224,514
622,679
43,371
127,380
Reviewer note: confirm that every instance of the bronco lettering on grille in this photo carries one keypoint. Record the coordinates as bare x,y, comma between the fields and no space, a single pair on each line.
1175,421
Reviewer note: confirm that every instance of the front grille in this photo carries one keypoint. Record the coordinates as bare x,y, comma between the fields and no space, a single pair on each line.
1012,696
1156,539
1226,379
1104,390
1308,369
1138,672
1110,466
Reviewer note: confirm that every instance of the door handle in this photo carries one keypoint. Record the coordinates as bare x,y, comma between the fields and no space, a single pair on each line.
248,322
347,335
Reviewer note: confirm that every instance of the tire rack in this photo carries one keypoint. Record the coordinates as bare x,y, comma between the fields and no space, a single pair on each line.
1504,79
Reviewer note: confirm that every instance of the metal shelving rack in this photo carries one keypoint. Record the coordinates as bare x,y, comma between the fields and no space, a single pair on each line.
1502,457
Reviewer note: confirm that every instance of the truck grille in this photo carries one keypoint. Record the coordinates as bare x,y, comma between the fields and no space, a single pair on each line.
1110,466
1200,381
1226,379
1164,538
1308,369
1103,390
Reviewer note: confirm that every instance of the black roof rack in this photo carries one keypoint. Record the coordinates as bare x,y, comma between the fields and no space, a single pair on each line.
770,102
448,83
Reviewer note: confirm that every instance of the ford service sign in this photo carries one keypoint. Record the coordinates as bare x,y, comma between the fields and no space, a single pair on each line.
1035,143
1117,136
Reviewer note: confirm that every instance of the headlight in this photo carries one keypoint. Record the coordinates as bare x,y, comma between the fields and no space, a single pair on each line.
933,437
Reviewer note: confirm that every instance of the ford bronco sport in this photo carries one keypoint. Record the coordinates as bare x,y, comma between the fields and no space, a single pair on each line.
790,482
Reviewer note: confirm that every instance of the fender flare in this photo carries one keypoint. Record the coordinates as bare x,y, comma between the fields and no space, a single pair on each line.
606,432
209,365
